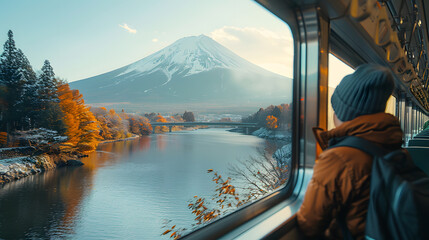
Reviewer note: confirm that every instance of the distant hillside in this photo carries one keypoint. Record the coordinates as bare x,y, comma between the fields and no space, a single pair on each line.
194,73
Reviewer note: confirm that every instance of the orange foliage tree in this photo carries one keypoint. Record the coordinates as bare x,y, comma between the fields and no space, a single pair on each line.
82,127
140,125
282,112
271,122
105,131
117,126
120,125
89,131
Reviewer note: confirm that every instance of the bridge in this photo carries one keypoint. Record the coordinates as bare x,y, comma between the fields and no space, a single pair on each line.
170,125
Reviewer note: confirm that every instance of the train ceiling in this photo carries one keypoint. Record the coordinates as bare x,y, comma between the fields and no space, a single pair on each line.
396,31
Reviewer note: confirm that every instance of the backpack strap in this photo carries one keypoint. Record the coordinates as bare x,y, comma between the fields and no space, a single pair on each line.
341,220
361,144
365,146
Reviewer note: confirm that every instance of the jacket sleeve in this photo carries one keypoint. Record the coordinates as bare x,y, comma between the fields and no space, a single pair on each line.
323,195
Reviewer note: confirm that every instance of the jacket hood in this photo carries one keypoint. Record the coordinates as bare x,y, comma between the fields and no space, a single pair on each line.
381,128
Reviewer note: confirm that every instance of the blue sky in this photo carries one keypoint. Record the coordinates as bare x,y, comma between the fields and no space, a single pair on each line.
83,38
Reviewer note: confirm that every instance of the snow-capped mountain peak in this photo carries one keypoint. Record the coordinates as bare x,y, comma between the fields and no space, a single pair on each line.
193,69
187,56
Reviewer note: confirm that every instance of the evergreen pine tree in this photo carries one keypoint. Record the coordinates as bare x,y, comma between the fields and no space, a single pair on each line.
28,101
19,89
11,81
49,114
47,84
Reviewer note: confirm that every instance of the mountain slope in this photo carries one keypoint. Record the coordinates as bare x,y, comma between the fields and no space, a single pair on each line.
192,70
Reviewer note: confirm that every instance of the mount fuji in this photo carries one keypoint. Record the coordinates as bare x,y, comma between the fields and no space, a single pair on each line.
193,71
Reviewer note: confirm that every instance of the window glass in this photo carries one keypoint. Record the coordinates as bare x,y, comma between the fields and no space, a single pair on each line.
391,105
180,111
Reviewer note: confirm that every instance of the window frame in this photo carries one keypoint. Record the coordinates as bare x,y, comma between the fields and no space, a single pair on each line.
310,52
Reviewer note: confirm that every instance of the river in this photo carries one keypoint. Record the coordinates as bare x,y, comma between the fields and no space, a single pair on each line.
125,190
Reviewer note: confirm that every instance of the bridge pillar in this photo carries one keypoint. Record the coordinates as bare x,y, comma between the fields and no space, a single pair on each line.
170,127
153,130
246,130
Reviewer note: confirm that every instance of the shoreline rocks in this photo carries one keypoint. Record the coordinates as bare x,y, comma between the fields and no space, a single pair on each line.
12,169
273,134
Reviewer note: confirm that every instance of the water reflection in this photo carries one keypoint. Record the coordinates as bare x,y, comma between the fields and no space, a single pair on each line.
125,189
43,206
161,142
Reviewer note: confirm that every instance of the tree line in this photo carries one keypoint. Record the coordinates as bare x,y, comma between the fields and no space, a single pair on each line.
41,101
31,101
273,117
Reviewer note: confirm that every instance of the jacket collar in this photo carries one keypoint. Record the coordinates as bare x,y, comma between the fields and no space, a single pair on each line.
381,128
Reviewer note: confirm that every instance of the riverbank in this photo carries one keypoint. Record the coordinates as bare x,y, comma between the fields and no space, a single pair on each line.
273,134
17,163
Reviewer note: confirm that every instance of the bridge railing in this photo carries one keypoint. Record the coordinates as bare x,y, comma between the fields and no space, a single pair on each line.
231,124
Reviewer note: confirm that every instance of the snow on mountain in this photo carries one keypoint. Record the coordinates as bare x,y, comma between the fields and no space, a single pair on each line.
192,69
189,55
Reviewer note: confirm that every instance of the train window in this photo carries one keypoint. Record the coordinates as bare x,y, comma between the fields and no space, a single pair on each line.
391,105
189,103
337,70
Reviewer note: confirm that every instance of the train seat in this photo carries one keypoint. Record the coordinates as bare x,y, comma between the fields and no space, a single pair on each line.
419,155
419,142
423,134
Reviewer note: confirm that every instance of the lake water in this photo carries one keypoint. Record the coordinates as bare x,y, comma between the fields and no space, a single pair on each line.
125,190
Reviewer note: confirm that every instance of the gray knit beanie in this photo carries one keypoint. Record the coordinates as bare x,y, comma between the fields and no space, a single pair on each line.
366,91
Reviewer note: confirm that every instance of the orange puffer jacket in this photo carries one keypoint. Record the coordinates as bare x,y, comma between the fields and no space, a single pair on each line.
341,177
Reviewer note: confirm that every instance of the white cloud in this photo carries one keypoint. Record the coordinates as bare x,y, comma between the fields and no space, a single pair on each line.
270,50
155,40
128,28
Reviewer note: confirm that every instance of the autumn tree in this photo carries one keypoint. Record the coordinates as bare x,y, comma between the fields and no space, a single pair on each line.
112,125
271,122
81,126
118,128
101,115
120,125
89,130
282,112
70,109
140,125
